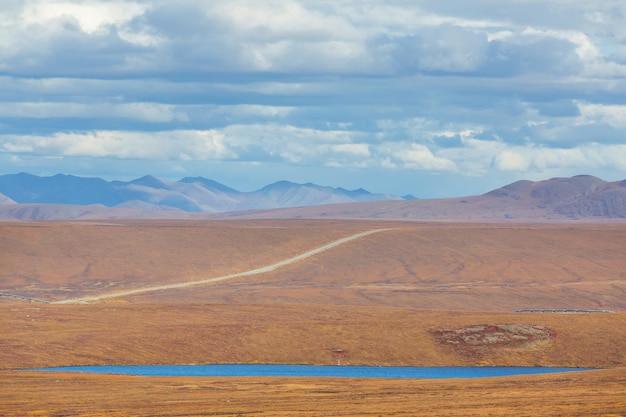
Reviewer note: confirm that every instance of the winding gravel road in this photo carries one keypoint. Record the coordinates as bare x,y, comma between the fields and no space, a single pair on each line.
256,271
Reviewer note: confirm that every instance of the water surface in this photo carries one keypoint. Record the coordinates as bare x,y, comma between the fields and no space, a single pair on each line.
312,371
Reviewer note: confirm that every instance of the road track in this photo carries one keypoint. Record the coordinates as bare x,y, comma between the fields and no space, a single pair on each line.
23,297
262,270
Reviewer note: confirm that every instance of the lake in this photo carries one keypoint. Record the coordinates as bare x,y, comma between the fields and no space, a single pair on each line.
311,371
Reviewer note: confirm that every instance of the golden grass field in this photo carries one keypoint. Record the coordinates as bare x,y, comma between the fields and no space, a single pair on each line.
382,299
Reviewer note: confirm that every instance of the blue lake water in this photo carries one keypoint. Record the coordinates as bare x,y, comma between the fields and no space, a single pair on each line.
311,371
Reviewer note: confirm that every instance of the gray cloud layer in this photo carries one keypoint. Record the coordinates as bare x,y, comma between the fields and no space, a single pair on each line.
483,90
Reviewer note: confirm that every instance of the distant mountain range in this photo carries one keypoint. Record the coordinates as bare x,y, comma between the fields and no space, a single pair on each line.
188,194
571,199
28,197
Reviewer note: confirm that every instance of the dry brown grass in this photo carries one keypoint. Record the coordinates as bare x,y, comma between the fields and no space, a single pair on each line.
380,299
417,265
157,333
597,393
60,260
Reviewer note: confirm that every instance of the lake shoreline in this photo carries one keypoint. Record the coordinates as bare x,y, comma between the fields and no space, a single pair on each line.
313,371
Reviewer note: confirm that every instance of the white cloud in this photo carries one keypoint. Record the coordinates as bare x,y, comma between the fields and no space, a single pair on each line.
612,115
453,87
510,160
444,48
169,145
277,20
473,157
290,36
286,134
90,15
585,49
355,149
258,110
148,112
541,159
141,111
290,143
417,156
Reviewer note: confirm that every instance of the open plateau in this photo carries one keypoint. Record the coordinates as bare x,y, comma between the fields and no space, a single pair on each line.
378,292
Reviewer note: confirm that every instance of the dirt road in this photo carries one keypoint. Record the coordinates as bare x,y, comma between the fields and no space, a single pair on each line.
256,271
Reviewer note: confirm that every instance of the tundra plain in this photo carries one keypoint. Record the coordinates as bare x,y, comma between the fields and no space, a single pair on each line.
415,293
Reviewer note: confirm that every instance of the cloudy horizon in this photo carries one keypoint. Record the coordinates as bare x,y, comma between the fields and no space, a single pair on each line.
430,98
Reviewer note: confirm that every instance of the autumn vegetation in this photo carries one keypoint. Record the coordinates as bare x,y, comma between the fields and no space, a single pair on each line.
420,294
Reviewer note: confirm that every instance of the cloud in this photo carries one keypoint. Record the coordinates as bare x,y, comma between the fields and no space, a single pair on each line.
78,38
612,115
356,149
90,16
239,142
149,112
445,48
463,90
541,159
510,160
420,157
170,145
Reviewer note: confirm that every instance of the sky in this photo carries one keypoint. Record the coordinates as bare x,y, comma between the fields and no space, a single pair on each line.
430,98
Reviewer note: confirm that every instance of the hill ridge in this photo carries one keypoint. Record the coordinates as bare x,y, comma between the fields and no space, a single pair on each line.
189,194
560,199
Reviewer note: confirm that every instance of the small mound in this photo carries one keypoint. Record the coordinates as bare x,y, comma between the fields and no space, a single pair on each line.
482,337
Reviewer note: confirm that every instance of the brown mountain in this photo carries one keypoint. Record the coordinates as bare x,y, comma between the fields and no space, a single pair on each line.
578,198
581,197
